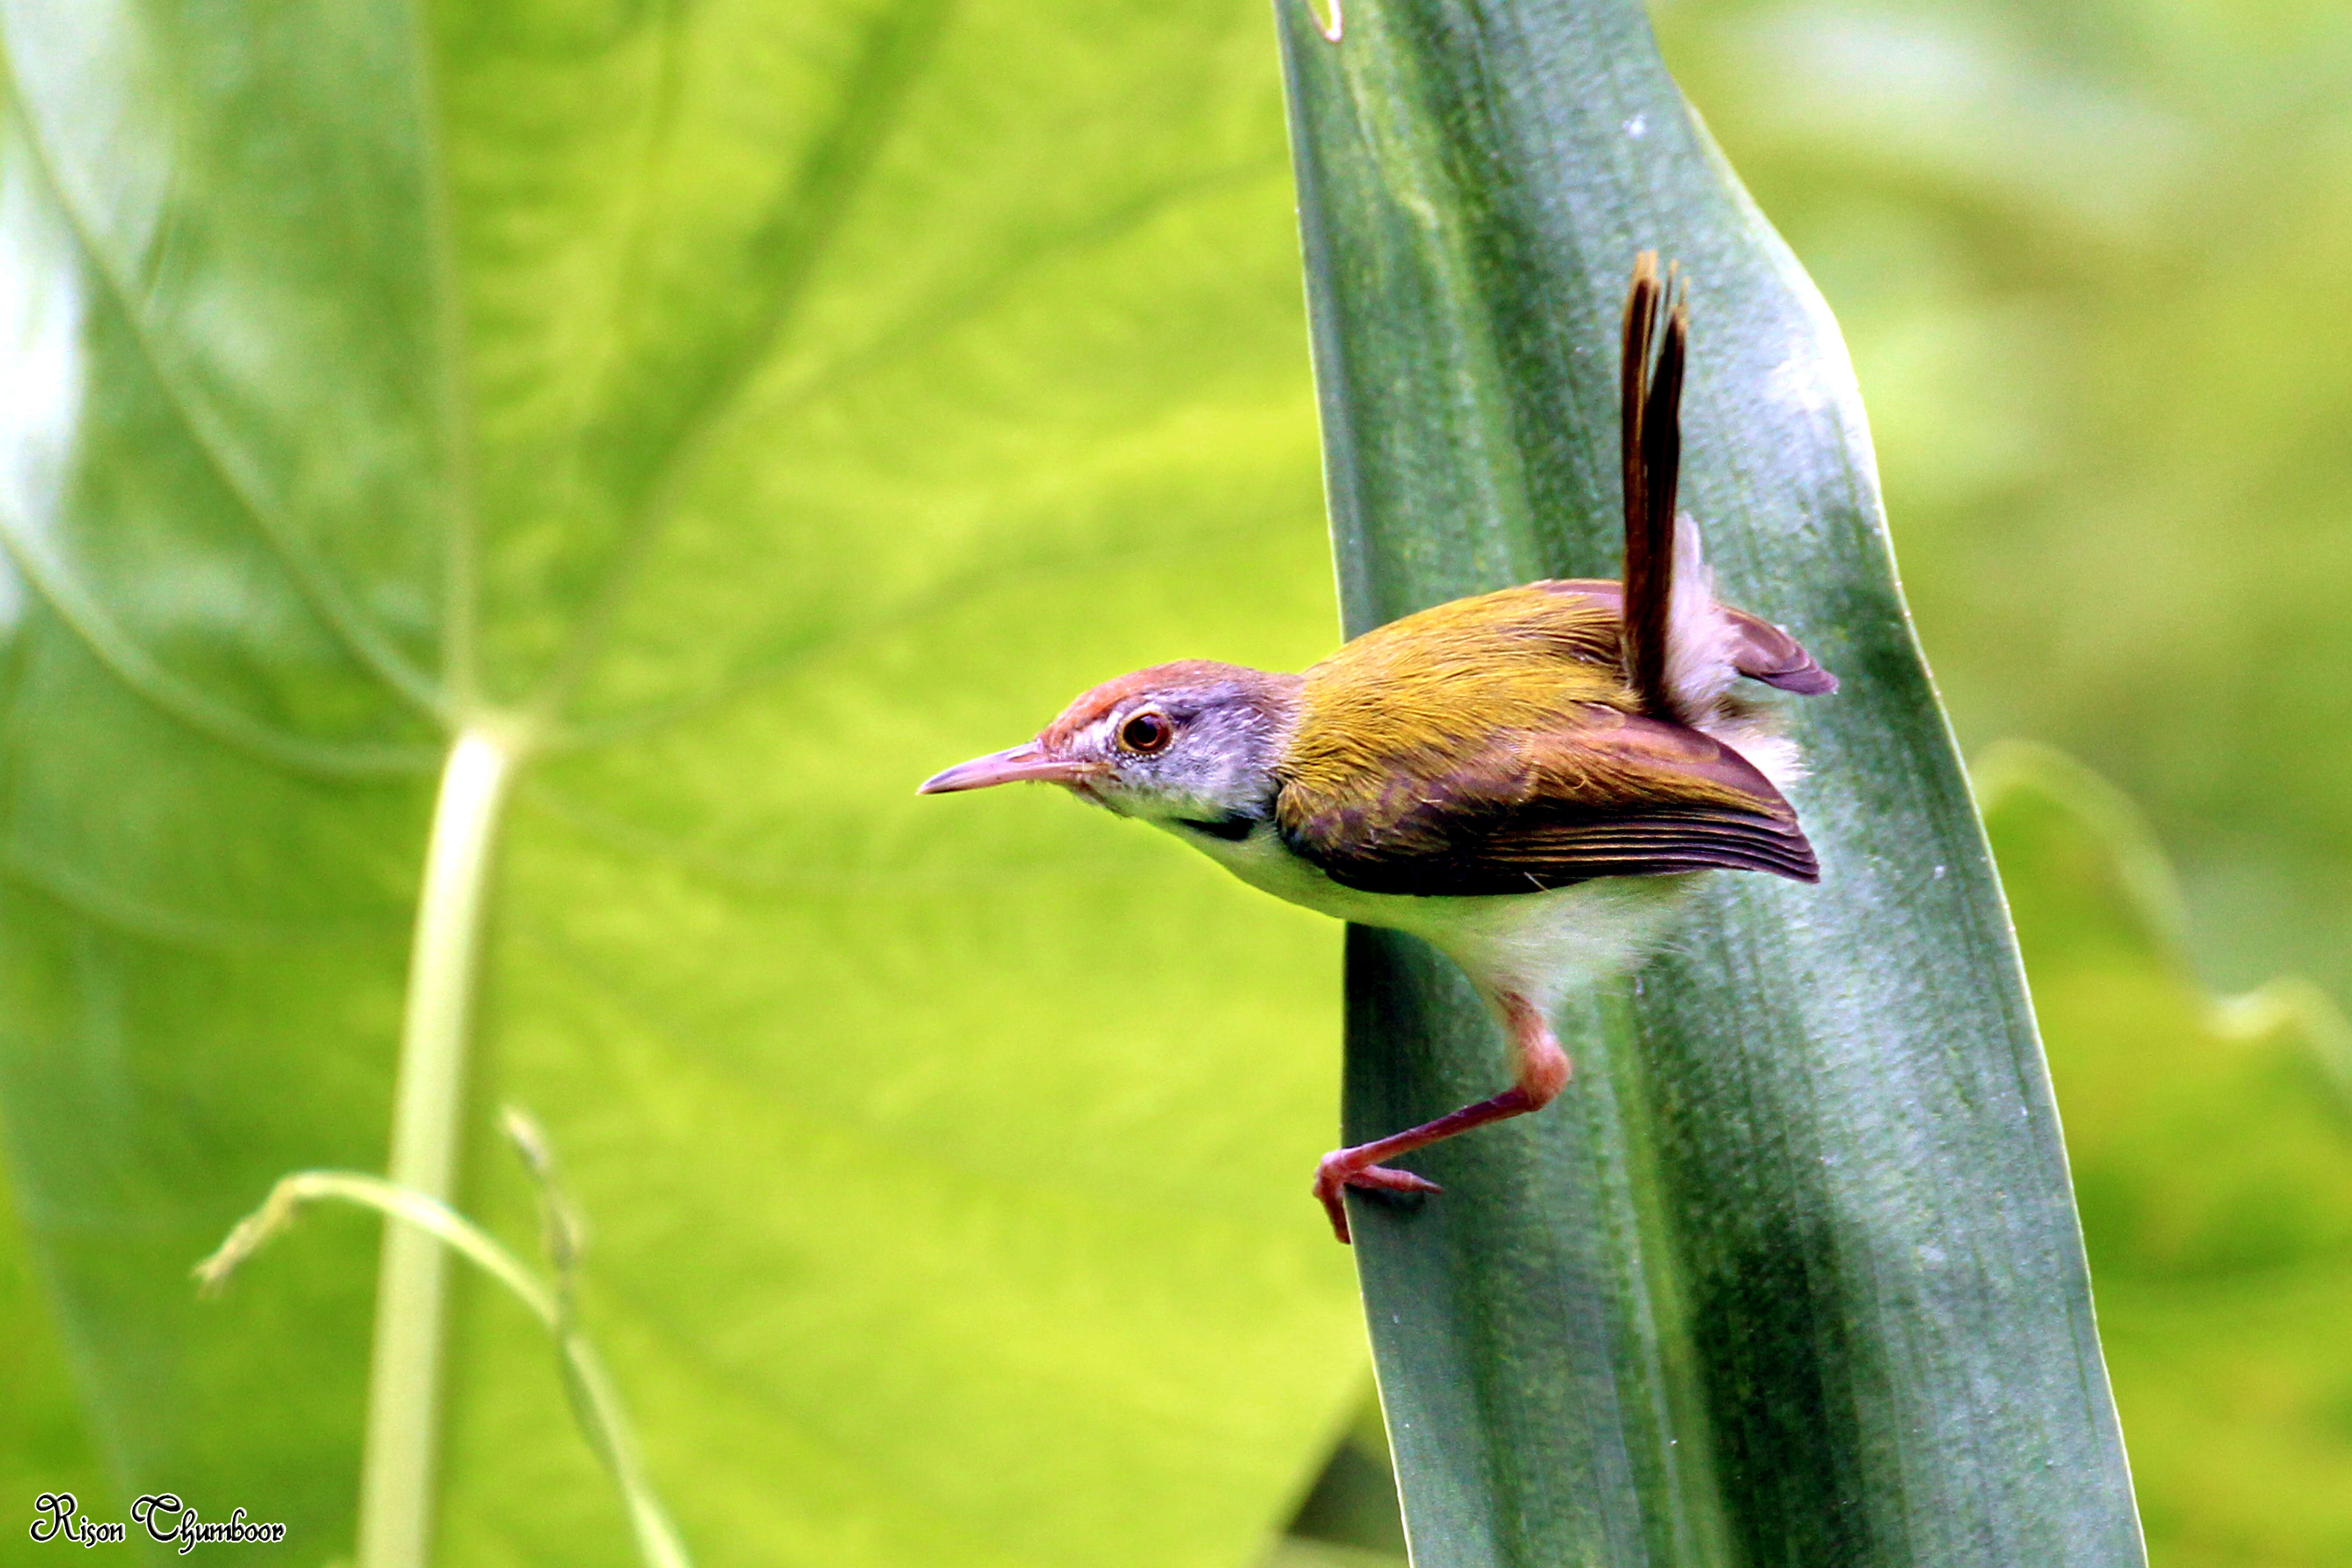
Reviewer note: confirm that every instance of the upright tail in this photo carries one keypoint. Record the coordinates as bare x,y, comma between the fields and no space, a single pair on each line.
1650,433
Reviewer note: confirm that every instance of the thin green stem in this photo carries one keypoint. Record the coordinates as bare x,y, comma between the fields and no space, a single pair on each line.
398,1461
604,1420
429,1215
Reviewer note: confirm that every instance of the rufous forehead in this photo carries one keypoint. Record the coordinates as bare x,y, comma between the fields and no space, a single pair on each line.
1100,703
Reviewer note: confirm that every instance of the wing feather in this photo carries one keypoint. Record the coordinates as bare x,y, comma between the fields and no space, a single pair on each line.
1602,793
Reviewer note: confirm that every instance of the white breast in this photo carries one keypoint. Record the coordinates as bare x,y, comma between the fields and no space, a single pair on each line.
1538,945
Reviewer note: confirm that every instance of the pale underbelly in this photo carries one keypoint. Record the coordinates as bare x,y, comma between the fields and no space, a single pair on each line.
1538,945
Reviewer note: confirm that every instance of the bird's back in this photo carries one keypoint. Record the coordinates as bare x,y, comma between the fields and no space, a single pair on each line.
1494,745
1427,692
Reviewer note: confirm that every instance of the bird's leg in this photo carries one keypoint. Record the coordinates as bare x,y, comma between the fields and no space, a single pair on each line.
1542,1070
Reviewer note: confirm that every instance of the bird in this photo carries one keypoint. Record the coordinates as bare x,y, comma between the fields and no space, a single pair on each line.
1528,780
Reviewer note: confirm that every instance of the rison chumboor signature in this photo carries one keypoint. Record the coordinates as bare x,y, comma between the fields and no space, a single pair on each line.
58,1516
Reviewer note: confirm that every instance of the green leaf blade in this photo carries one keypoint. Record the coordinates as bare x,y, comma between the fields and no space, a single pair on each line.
791,401
1792,1272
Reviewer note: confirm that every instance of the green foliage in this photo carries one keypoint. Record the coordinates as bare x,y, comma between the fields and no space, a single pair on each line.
775,403
2211,1145
44,1444
595,1403
2095,263
1792,1272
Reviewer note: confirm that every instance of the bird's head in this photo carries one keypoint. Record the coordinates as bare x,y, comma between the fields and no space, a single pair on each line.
1193,743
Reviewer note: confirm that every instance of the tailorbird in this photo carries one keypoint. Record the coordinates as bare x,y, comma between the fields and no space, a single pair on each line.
1523,779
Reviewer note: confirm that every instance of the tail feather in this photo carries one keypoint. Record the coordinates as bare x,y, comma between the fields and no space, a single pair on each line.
1650,436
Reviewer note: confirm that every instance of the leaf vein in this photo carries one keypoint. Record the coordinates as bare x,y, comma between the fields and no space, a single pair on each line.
317,587
179,699
791,242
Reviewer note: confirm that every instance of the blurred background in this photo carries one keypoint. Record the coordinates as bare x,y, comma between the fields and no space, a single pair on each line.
2095,264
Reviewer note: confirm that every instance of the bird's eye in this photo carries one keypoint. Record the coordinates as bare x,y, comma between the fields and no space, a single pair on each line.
1146,733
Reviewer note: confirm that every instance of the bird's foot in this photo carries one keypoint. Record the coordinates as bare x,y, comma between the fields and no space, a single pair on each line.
1345,1168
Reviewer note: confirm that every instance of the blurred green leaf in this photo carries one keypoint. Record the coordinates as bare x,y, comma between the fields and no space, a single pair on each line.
2212,1146
1791,1273
2095,263
44,1444
792,400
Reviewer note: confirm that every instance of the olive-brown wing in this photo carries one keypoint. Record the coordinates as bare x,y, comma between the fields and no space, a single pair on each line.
1614,795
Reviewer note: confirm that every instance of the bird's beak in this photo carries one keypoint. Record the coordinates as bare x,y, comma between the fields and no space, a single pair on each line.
1027,760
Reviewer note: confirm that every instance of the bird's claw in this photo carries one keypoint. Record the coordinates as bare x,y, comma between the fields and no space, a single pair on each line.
1342,1169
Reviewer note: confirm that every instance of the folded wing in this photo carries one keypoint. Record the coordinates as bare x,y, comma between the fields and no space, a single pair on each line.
1600,793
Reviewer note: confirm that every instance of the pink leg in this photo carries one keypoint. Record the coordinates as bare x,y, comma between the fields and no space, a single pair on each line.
1542,1070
